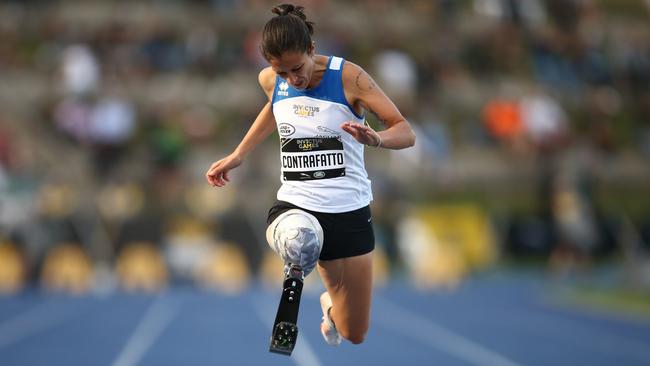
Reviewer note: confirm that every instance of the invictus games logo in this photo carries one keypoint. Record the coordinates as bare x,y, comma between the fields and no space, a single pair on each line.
283,89
308,144
305,110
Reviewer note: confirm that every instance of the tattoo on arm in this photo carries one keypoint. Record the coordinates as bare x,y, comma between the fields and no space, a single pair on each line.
381,120
364,82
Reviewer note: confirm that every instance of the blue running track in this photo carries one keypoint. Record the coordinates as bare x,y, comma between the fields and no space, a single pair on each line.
492,320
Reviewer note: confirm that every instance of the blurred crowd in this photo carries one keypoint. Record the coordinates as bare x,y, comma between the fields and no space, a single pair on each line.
536,111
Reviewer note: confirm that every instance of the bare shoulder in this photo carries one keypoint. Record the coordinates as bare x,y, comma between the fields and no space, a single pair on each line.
356,80
266,78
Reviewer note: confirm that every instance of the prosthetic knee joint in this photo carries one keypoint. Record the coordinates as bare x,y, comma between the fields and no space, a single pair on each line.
297,237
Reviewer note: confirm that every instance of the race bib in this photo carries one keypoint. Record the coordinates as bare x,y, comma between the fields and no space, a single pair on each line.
312,158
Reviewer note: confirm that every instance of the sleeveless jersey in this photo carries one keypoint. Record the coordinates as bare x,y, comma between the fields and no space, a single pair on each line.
322,166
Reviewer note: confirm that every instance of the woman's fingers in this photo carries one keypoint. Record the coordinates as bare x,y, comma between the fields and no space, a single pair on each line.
354,129
209,176
215,174
361,133
218,174
347,127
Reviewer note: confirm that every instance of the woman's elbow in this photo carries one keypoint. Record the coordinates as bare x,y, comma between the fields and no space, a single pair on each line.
411,139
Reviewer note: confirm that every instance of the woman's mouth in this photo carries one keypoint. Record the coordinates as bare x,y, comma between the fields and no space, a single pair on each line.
300,85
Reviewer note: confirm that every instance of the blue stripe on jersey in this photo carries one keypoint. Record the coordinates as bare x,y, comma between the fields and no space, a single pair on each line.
329,89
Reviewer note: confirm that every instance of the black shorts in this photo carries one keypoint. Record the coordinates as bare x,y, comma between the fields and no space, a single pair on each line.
346,234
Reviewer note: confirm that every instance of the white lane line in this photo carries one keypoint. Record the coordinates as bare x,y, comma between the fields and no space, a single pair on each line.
416,327
158,316
303,354
586,336
30,322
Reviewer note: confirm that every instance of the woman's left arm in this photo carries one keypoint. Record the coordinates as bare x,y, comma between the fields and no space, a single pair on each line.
363,93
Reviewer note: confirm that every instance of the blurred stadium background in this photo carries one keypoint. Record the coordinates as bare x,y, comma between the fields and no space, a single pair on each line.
533,150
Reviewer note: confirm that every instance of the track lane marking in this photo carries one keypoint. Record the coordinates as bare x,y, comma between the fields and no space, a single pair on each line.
156,319
397,319
568,329
30,322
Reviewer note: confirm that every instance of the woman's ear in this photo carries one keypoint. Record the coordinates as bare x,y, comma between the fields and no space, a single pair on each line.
312,49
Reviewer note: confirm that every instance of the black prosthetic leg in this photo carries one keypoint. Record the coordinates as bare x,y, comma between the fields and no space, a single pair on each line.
285,328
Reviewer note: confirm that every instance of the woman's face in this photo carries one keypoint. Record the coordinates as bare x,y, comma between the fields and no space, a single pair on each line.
294,67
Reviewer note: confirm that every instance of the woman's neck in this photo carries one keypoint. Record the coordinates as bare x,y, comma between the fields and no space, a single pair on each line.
320,65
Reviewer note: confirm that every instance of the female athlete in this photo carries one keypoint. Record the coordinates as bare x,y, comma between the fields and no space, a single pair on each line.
322,216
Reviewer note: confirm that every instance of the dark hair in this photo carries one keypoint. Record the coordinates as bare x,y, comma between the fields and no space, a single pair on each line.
288,31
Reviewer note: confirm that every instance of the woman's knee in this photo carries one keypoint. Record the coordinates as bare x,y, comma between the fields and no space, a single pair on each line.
355,338
358,339
354,335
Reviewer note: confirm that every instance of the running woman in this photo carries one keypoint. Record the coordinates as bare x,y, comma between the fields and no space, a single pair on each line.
322,215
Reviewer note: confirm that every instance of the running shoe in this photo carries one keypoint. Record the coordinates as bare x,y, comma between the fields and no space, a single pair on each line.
327,328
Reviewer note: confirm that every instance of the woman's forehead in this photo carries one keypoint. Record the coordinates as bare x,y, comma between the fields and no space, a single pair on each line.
288,60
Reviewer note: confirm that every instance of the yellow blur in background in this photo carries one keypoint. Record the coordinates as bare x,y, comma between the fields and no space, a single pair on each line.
444,244
12,269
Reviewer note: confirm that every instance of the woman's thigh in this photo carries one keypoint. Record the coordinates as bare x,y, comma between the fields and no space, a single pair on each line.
349,283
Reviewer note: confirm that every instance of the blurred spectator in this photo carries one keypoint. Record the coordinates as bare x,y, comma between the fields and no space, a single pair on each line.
81,70
433,148
104,125
112,126
112,121
163,50
5,148
72,116
201,44
544,120
166,139
635,59
573,212
516,11
396,74
502,118
252,50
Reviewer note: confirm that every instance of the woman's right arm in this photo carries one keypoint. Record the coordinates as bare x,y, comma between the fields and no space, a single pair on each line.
264,125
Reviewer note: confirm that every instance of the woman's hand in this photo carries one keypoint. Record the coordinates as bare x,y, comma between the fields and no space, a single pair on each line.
362,133
217,175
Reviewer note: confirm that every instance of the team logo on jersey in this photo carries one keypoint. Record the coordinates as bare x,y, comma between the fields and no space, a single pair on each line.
283,89
328,131
308,144
305,110
285,129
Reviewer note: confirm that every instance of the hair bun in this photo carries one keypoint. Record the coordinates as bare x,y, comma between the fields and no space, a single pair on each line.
289,9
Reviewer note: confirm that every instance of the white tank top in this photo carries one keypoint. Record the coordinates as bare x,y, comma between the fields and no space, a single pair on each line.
322,166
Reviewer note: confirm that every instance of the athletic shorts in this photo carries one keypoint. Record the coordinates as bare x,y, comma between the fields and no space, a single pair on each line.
346,234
